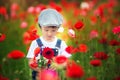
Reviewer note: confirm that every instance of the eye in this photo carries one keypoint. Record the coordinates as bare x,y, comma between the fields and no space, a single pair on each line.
46,30
53,30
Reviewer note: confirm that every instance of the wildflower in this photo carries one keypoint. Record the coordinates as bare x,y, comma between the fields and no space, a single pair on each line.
117,78
37,51
83,48
24,24
33,64
103,41
60,59
79,25
74,70
71,33
114,42
48,53
55,6
116,30
2,37
3,11
91,78
3,78
118,50
15,7
100,55
16,54
69,49
93,34
95,62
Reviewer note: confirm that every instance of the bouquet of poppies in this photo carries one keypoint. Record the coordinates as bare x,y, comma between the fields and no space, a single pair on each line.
46,56
54,65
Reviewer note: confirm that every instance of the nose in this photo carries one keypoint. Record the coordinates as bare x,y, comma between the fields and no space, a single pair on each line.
49,33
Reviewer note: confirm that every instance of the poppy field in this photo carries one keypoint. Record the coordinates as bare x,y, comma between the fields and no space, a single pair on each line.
91,29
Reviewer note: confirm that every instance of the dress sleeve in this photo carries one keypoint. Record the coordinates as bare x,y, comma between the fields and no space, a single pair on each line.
62,50
31,49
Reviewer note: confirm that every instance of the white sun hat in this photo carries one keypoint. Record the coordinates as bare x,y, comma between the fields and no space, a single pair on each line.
50,17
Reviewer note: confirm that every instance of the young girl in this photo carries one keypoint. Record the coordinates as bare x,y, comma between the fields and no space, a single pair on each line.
49,22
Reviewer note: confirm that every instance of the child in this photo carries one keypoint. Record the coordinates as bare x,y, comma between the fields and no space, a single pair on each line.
49,22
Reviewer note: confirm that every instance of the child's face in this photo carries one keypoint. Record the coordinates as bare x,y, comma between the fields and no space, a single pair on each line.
49,32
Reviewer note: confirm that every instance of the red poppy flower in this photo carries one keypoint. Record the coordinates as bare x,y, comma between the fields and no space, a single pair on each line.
55,6
33,34
95,63
15,7
69,49
93,34
37,51
33,65
3,11
117,78
100,55
48,53
16,54
26,38
23,24
3,78
91,78
22,15
60,59
74,70
2,37
83,48
116,30
103,41
118,50
114,42
79,25
93,19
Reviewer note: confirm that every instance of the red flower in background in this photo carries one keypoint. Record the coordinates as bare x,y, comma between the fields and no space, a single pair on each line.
114,42
2,37
83,48
3,78
23,24
117,78
3,11
91,78
118,50
93,34
16,54
60,59
22,15
31,10
55,6
69,49
48,53
33,34
100,55
103,41
14,7
96,62
26,39
93,20
79,25
116,30
74,70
